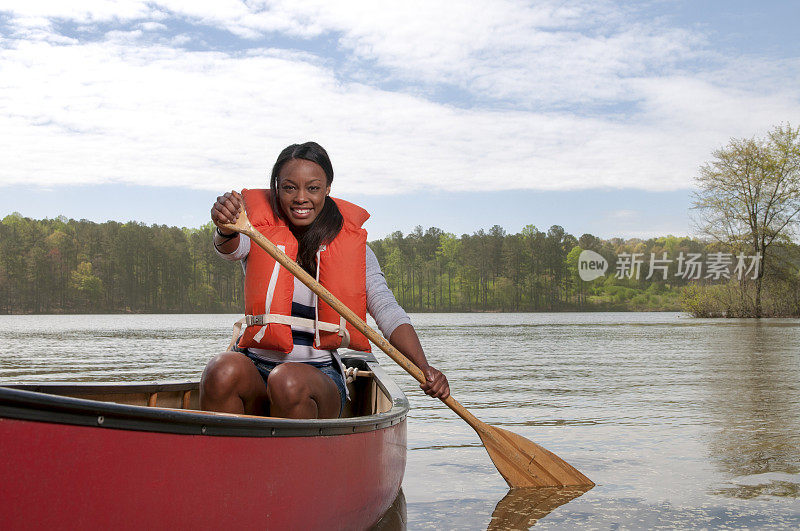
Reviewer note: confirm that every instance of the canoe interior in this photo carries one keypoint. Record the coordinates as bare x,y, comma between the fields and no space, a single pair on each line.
366,396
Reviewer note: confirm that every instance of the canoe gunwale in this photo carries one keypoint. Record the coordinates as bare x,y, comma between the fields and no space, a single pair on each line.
107,387
21,403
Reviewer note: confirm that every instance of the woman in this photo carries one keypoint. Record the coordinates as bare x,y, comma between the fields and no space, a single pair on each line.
285,363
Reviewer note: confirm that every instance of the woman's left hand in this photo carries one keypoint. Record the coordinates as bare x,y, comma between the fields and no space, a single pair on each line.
435,383
404,338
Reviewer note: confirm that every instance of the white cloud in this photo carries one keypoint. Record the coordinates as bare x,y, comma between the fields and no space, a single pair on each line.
542,54
126,110
83,11
535,55
152,26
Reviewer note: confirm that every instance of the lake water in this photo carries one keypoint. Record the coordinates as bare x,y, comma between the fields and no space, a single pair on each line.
681,422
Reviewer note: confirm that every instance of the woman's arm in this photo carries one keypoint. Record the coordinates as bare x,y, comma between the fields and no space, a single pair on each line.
396,326
405,339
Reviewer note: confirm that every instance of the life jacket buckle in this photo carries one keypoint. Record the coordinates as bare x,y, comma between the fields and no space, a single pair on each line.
255,320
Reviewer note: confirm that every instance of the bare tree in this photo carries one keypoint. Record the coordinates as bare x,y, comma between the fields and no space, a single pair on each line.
748,197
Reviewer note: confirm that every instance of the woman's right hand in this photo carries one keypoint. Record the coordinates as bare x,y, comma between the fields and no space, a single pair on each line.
226,209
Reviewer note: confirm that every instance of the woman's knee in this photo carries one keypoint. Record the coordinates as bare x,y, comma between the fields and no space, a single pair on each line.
287,385
224,374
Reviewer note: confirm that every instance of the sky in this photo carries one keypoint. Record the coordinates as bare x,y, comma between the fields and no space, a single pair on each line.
591,115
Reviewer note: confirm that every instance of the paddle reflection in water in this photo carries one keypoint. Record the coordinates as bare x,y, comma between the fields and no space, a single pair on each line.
522,508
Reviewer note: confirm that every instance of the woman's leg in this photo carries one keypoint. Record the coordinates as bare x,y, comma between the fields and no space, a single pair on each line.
232,384
301,391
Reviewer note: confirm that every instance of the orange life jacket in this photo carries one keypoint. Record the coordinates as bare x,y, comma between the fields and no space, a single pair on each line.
269,288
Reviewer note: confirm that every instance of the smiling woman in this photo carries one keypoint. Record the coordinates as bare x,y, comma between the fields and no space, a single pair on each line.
285,363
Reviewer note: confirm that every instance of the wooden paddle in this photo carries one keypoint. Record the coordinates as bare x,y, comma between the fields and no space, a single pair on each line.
521,462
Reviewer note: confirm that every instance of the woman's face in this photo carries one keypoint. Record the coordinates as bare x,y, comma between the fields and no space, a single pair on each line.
302,187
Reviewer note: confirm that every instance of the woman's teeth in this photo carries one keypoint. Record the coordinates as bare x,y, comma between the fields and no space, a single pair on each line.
302,211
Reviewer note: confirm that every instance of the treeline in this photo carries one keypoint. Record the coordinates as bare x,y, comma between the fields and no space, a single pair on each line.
68,266
530,271
535,270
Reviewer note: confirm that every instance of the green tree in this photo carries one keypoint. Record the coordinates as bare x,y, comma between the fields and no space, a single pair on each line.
572,267
449,250
87,287
748,196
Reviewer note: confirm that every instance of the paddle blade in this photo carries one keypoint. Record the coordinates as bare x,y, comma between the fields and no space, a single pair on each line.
523,463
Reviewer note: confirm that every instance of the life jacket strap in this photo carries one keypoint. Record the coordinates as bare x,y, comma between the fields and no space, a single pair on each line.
237,330
316,297
273,280
265,319
343,333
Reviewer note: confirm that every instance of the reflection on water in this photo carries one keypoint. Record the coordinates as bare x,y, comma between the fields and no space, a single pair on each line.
394,519
754,408
681,422
521,508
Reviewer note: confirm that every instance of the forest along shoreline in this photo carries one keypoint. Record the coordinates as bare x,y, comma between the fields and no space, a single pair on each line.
54,266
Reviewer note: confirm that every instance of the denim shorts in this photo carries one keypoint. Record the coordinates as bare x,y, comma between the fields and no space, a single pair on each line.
330,368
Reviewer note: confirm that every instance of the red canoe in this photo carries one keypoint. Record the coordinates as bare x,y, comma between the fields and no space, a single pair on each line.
138,456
